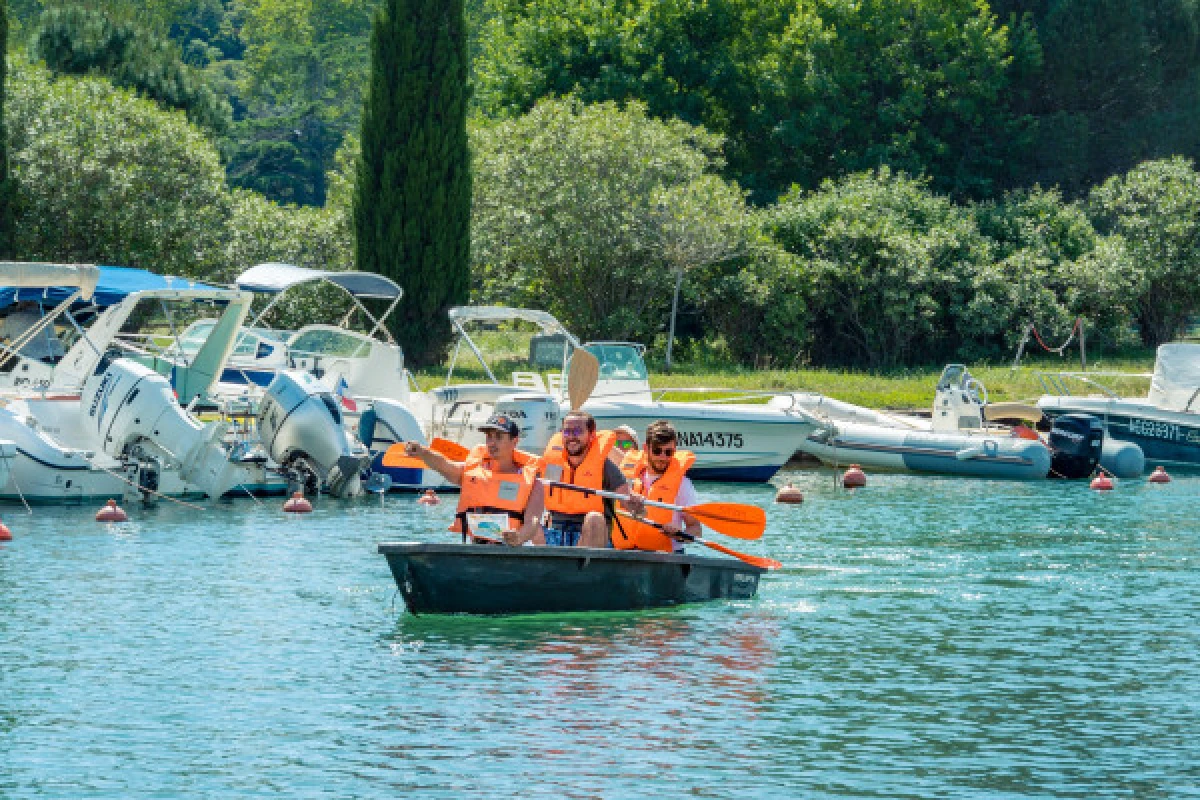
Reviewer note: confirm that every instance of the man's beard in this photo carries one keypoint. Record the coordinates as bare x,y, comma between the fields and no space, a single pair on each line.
578,444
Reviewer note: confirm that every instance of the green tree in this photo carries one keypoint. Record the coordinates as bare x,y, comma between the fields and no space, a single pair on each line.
107,177
1155,208
888,261
78,41
801,91
571,213
7,186
412,202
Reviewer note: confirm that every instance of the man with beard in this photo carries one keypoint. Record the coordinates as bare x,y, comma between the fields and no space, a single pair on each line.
579,456
660,475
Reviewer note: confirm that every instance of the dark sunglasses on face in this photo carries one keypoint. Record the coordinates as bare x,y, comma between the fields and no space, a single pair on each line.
662,451
574,431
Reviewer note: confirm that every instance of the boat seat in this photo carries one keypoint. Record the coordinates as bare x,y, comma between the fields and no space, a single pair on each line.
528,380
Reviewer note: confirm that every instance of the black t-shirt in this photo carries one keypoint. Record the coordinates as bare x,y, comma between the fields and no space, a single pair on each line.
613,480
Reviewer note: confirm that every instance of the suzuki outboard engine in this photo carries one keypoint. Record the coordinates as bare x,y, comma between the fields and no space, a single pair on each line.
300,423
1076,442
137,418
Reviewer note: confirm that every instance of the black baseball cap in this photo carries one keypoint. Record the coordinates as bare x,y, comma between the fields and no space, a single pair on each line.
501,423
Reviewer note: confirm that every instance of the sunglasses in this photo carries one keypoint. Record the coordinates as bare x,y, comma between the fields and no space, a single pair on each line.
625,444
574,431
662,451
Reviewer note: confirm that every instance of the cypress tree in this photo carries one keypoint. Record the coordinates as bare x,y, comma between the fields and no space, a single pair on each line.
412,199
8,187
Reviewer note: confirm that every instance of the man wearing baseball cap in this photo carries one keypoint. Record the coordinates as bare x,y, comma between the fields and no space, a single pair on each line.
496,478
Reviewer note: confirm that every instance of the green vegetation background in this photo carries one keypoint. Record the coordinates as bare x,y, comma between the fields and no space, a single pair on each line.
846,185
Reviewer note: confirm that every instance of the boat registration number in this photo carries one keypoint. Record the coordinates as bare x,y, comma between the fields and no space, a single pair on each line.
1163,430
711,439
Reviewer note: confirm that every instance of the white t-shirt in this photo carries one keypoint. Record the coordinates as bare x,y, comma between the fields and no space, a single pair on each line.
685,497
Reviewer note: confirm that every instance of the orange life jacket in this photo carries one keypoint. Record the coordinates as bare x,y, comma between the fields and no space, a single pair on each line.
630,534
485,491
589,473
630,462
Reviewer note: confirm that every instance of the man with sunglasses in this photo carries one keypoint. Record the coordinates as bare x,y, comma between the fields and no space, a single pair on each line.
578,455
661,476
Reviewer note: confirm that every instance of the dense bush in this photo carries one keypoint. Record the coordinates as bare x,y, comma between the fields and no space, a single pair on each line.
107,177
1155,208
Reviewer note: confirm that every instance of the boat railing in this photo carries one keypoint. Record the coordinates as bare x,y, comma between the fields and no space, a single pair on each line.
730,395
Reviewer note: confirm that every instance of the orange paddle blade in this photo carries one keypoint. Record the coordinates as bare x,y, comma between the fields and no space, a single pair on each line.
394,456
732,519
757,561
451,450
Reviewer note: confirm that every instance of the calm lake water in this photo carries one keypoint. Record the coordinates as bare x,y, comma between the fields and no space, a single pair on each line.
929,637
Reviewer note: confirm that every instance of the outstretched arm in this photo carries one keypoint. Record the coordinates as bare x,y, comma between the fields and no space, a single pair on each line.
450,470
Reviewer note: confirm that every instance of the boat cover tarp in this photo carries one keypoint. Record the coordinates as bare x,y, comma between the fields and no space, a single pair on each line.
543,319
1176,381
272,278
113,285
17,275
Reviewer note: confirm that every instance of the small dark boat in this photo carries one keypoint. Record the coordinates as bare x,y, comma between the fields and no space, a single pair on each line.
488,579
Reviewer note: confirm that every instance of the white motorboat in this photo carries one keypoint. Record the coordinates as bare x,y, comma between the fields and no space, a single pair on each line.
88,426
956,440
736,439
1165,423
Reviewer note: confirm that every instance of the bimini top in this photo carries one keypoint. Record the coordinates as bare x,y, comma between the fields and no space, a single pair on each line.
272,278
1176,381
104,286
543,319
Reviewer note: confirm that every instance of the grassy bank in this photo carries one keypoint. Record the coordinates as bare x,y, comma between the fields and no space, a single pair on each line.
900,389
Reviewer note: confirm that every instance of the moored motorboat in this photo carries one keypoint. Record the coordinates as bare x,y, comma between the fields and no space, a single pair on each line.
482,579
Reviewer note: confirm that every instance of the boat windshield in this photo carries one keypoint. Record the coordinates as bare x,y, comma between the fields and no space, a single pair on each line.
251,342
330,342
619,361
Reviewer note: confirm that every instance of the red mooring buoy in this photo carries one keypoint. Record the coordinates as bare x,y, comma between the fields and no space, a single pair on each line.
854,477
111,513
297,504
5,533
1159,476
1102,483
789,494
430,498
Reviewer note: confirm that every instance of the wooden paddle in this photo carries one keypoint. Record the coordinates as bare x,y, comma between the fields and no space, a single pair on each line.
732,519
581,380
395,456
757,561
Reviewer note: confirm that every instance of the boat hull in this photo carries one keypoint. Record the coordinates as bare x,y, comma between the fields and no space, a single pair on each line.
1167,438
483,579
977,455
742,443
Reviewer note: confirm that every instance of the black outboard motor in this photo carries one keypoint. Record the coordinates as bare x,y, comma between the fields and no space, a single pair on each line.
1075,442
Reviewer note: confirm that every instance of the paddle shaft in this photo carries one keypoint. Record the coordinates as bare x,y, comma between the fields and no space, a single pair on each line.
611,495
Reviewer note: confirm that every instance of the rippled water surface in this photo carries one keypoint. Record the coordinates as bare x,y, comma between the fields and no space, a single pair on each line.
929,637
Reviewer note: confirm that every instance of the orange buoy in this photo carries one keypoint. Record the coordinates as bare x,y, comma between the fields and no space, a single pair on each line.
1023,432
1159,476
5,533
111,513
854,477
789,494
1102,483
297,504
430,498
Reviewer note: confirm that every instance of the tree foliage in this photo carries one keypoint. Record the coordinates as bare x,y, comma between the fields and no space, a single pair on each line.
800,91
1155,208
412,202
107,177
7,185
575,207
78,41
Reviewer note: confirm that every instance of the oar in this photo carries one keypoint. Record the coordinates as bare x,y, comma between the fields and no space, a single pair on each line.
732,519
395,456
757,561
581,380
